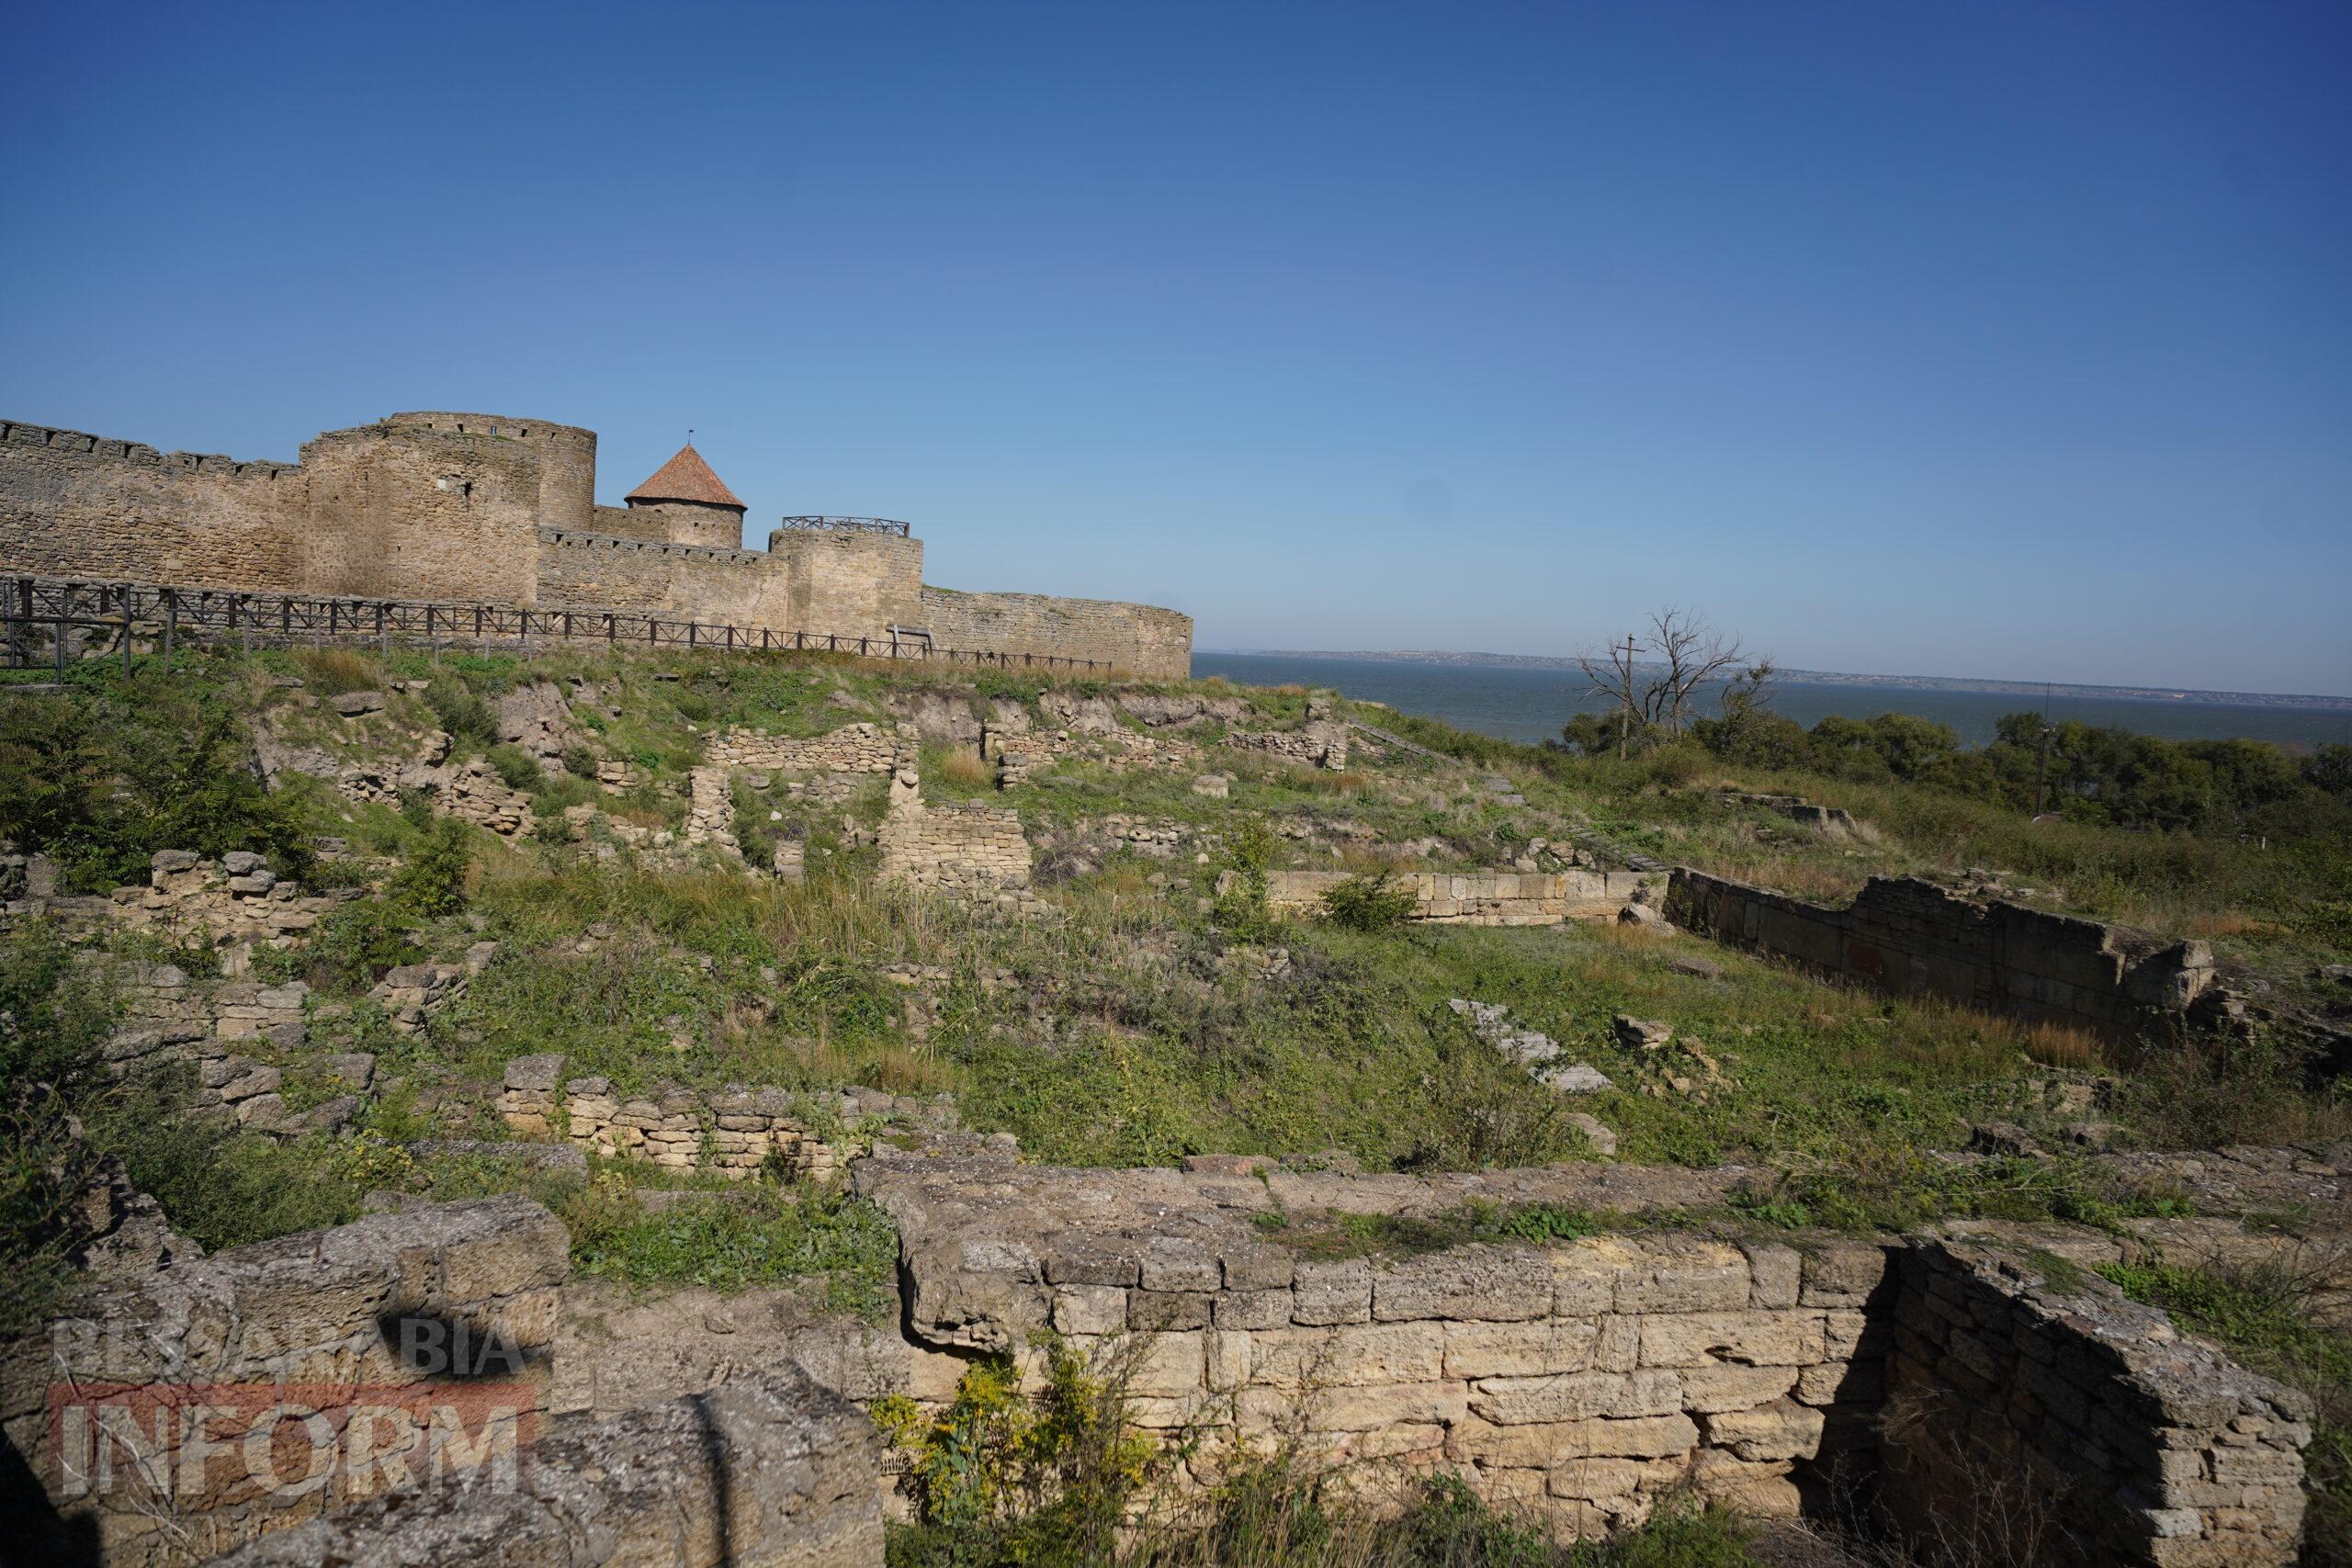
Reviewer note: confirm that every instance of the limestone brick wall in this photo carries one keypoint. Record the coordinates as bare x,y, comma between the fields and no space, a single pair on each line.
314,1321
1586,1378
1475,898
860,585
1909,936
2066,1404
692,522
1318,745
581,570
425,512
859,748
234,901
959,846
565,452
767,1470
626,523
1135,640
168,1015
733,1132
78,505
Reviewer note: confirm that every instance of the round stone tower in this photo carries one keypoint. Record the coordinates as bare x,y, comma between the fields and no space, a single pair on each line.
694,503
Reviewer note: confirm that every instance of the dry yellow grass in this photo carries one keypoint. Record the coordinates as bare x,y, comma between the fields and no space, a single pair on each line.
967,768
330,670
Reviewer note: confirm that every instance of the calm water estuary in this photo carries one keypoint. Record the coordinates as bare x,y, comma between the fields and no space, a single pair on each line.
1531,705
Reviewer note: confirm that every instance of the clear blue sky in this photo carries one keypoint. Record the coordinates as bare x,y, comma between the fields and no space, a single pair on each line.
1952,338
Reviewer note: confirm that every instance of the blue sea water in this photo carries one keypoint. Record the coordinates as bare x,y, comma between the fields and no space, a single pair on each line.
1531,705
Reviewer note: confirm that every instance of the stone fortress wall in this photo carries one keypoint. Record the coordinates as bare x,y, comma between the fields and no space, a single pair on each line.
485,508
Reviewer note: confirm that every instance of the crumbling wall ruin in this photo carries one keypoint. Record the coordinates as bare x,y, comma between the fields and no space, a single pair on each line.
2050,1411
766,1470
1584,1380
736,1132
1908,936
130,1413
859,748
1476,897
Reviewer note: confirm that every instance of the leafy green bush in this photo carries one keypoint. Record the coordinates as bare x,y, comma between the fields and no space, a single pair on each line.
357,945
460,711
1374,903
102,780
433,882
1250,849
517,768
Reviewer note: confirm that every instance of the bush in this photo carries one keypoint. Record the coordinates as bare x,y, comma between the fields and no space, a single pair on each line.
433,883
468,719
356,945
102,781
1375,903
1250,849
517,768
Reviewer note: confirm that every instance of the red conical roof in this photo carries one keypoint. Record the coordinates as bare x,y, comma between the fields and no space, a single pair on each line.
686,478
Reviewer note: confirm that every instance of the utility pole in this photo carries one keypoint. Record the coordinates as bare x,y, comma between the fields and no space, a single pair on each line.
1625,711
2042,772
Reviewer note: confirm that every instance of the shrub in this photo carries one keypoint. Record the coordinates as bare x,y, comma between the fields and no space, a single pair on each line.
517,768
433,883
580,763
468,719
1374,903
356,945
101,781
1251,848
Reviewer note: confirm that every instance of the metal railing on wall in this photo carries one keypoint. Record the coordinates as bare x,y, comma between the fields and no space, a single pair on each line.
57,620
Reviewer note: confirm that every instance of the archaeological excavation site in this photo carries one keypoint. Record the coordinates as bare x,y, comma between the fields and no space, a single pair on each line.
493,1089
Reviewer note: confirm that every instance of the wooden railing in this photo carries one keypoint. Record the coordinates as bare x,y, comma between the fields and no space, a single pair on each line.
40,615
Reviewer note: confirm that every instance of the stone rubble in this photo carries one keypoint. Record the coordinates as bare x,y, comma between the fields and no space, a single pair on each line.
1539,1053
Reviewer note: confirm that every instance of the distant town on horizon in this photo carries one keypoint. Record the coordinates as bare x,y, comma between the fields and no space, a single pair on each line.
1841,678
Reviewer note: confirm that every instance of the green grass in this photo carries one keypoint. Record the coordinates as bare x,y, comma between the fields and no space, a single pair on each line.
752,1234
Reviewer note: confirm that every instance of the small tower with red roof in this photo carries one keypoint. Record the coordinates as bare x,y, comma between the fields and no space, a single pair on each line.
693,502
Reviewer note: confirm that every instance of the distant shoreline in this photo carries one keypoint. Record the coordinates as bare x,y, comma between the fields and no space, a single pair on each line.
1838,678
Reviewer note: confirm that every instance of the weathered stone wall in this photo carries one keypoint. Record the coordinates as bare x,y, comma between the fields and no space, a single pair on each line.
859,748
79,505
733,1132
314,1321
486,508
856,584
628,523
1475,898
767,1470
2065,1413
1320,744
1908,936
606,572
566,455
427,513
1587,1379
959,846
1135,640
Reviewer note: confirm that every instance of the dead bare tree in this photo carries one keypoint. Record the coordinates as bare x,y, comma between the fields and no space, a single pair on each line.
1695,655
1685,653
